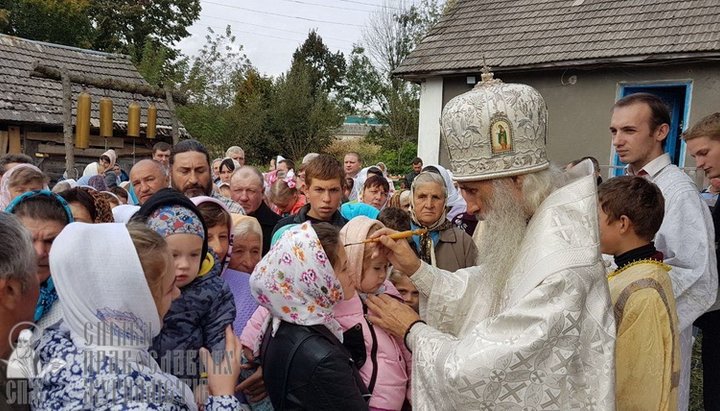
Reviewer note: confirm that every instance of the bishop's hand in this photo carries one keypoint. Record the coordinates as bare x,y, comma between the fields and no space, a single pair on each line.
390,314
401,256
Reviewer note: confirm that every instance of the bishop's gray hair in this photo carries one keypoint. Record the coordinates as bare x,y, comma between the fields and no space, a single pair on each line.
17,255
537,187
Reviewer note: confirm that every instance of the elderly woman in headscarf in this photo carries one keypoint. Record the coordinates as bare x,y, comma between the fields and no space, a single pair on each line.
114,301
455,202
300,280
443,245
44,214
21,178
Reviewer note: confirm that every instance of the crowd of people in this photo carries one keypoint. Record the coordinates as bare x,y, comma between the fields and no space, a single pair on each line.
498,284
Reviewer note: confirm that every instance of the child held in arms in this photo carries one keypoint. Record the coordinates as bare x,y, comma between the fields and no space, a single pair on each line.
647,352
198,318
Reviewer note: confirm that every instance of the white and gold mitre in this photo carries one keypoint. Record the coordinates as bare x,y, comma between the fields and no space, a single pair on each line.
495,130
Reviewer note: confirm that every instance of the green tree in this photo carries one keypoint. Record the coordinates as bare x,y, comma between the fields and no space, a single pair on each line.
302,121
389,38
364,85
124,26
325,68
56,21
251,117
211,84
216,71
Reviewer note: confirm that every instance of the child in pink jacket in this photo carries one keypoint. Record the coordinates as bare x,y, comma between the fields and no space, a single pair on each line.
386,370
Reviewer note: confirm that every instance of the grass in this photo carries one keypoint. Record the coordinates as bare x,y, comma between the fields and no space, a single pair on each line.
696,378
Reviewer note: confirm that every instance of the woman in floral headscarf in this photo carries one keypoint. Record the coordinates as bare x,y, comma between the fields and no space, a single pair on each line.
305,365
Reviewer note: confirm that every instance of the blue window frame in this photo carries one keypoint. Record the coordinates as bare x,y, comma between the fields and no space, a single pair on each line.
677,95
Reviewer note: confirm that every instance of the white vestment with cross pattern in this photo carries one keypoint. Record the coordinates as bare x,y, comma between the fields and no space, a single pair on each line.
547,344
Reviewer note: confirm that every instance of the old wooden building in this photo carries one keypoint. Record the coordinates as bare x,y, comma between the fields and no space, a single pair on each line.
31,103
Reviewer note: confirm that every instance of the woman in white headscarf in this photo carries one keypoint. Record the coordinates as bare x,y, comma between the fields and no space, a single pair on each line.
21,179
113,303
104,167
455,202
363,175
443,245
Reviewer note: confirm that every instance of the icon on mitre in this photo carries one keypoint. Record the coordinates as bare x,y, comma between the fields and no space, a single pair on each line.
501,135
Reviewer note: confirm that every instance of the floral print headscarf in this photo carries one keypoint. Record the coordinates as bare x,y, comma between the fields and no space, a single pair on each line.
296,282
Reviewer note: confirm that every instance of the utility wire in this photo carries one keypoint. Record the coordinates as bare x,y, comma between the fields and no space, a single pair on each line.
269,13
371,4
325,5
256,34
271,28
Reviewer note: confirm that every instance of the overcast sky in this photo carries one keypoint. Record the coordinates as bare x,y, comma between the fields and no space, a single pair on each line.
271,30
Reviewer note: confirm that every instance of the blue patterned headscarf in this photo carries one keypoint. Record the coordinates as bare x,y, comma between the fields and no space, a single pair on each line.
48,294
175,219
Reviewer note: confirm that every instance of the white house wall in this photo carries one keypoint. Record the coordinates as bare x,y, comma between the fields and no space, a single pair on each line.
431,104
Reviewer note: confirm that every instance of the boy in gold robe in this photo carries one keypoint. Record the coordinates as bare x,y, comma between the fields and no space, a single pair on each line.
647,356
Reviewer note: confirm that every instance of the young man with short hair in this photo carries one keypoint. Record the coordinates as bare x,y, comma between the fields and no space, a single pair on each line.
647,351
639,125
324,179
417,165
161,153
703,144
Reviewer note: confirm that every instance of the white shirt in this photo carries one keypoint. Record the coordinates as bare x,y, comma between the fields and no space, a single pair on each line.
687,239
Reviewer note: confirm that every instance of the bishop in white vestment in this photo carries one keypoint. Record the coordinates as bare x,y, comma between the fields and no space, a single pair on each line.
531,327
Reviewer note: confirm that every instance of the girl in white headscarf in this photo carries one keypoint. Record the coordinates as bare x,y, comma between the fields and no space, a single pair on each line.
113,303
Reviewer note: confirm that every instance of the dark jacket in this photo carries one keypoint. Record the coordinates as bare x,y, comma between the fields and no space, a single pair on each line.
198,318
410,177
302,216
267,219
307,368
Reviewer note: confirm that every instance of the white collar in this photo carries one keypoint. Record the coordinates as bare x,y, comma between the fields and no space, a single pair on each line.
652,168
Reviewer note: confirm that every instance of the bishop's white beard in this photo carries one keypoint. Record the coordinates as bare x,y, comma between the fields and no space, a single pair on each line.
505,223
